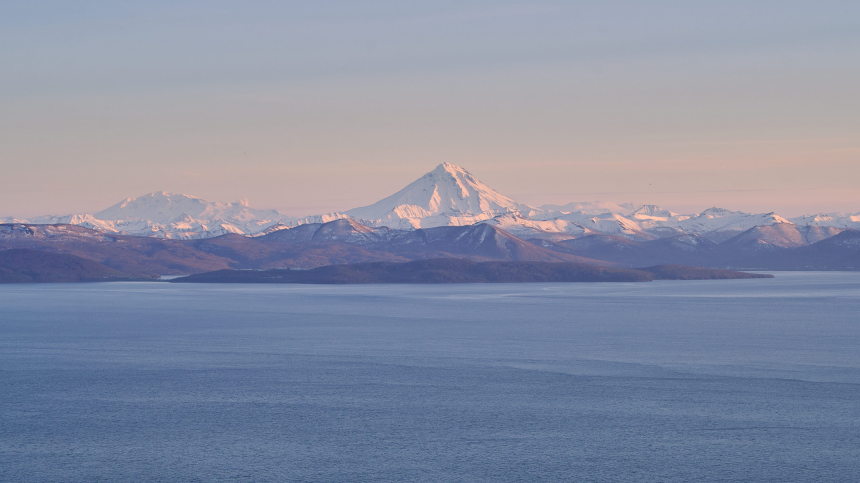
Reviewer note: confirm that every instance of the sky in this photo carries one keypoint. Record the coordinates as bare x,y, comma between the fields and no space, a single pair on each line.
313,107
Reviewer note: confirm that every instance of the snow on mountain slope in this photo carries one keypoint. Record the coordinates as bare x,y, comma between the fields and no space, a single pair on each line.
781,235
48,232
178,216
89,221
650,221
722,220
163,207
12,219
528,228
590,208
836,220
447,196
605,223
653,212
168,215
814,234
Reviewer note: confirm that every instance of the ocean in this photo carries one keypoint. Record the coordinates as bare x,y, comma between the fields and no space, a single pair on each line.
669,381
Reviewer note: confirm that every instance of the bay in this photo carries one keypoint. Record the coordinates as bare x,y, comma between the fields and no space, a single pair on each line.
734,380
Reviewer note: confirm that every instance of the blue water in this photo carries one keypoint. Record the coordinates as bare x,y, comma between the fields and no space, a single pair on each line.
743,380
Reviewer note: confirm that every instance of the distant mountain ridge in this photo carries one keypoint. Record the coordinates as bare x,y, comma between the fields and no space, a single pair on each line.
446,196
170,215
345,241
304,246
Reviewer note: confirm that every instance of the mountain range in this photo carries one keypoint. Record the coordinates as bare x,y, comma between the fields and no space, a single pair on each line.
446,196
447,213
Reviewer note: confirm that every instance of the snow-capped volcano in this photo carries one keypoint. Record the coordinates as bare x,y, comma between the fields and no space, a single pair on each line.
448,195
168,215
164,207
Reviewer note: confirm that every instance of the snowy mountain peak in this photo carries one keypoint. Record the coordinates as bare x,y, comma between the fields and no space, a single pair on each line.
171,215
465,184
155,205
651,211
590,207
719,211
448,195
450,168
839,220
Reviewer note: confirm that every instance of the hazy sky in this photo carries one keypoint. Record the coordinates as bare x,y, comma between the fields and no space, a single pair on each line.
316,106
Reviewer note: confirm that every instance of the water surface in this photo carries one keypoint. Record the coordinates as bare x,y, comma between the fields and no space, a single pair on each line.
737,380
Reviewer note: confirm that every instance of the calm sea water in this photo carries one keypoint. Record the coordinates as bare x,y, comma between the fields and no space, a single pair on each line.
744,380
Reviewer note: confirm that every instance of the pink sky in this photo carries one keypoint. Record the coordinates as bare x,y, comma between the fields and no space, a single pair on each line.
310,110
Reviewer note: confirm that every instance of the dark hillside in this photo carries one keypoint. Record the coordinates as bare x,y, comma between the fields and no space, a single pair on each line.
445,270
681,272
839,252
28,266
451,270
138,255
